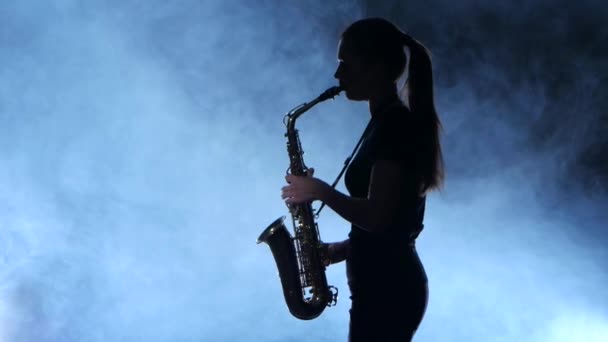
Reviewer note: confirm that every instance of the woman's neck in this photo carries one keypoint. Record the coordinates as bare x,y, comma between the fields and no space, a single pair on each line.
379,103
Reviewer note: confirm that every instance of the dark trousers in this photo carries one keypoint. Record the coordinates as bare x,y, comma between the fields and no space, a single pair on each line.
388,300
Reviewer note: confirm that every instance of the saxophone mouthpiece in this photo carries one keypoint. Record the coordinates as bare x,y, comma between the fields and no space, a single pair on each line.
330,93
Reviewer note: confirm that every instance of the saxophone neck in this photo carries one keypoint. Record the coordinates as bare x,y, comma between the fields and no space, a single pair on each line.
293,114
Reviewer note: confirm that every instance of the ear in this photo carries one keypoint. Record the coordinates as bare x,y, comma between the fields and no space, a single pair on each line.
379,72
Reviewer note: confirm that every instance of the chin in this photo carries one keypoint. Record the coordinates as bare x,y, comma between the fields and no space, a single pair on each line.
354,96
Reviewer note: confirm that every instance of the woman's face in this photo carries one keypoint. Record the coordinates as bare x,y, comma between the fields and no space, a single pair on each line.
355,76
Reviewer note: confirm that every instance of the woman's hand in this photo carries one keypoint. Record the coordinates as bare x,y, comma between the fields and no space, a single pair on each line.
336,252
302,189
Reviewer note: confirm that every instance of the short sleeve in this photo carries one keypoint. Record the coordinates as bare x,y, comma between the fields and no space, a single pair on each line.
394,139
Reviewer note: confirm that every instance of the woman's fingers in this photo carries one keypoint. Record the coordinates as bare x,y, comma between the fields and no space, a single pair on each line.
286,192
299,189
294,195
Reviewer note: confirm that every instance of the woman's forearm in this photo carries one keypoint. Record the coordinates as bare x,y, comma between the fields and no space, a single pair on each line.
338,251
361,212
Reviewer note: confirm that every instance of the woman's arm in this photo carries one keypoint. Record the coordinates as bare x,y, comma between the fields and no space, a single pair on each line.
337,251
380,208
374,213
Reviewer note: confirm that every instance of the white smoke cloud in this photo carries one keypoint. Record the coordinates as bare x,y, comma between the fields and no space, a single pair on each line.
143,153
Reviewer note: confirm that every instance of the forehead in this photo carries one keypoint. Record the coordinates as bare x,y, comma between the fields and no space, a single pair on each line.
344,50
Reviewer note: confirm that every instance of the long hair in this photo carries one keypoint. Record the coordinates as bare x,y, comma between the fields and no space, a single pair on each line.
379,40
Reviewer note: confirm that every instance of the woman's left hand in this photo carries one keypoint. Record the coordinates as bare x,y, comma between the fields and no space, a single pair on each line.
302,189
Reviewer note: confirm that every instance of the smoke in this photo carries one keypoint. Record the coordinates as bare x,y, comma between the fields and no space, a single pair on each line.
143,153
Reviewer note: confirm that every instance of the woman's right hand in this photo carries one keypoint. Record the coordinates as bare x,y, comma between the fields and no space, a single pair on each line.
336,252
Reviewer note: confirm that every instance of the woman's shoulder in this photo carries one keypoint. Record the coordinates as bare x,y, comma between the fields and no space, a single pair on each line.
398,118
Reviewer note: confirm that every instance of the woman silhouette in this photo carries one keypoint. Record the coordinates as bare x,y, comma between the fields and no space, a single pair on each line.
398,163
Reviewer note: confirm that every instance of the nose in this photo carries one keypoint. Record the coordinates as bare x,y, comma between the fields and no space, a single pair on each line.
338,71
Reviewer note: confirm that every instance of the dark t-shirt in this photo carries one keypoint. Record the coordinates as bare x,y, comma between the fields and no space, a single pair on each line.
391,137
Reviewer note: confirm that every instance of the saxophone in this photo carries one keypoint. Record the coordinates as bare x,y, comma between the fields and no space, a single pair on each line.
301,259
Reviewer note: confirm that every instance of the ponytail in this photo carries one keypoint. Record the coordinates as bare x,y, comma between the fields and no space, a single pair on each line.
420,96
